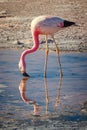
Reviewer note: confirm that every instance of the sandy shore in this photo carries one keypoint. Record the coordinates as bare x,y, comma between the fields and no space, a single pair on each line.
16,17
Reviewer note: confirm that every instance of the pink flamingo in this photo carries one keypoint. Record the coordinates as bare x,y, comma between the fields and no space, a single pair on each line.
44,25
22,89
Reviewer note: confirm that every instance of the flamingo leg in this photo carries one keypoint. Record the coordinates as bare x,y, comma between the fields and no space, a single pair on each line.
57,51
47,95
46,59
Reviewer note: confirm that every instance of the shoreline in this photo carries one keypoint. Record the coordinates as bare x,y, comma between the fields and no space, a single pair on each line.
82,49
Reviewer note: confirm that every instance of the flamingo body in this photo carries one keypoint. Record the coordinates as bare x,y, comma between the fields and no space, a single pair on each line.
46,25
43,25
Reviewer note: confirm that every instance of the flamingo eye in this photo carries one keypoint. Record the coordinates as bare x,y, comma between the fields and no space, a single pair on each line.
60,24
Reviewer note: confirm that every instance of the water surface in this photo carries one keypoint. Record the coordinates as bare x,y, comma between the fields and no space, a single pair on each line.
56,99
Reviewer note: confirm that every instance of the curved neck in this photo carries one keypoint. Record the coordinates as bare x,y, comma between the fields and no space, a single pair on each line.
33,49
22,89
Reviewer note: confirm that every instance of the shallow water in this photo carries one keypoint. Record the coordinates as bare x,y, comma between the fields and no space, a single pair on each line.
56,99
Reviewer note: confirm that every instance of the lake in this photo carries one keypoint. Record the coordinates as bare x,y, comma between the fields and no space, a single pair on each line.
43,103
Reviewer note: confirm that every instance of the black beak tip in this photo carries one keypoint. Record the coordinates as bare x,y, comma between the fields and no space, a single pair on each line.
25,74
68,23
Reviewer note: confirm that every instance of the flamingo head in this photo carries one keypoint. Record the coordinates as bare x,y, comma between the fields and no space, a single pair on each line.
22,68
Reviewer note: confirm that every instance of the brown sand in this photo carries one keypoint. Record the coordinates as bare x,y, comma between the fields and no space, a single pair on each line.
16,16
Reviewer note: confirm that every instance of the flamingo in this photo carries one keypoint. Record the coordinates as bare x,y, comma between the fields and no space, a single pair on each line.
22,90
44,25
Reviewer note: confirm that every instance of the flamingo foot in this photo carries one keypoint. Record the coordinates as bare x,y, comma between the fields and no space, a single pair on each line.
25,74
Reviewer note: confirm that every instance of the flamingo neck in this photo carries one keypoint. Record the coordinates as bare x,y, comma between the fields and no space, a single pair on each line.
33,49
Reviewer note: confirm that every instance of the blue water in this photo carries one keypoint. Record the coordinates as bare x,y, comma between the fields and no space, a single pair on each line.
71,93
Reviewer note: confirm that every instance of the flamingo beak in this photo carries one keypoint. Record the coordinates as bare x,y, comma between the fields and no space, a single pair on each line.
25,74
68,23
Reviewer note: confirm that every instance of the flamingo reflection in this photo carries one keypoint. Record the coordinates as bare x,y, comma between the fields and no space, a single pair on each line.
22,89
36,107
57,101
